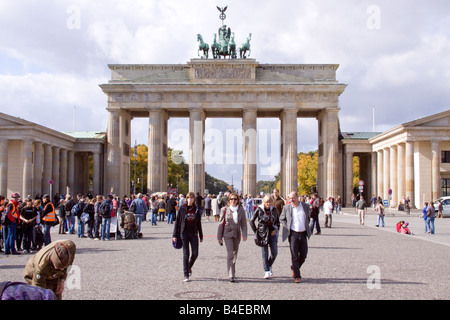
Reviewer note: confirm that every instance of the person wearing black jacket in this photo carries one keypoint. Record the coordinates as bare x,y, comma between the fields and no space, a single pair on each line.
171,208
188,229
266,233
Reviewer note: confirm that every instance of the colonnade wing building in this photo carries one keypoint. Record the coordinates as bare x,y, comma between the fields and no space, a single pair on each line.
411,160
37,160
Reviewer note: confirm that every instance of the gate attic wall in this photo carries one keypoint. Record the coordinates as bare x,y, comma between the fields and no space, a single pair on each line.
202,89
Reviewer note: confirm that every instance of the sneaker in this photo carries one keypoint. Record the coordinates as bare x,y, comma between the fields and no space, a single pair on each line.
186,279
270,272
266,274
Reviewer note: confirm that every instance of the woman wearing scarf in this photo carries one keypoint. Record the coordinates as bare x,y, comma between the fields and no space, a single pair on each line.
232,224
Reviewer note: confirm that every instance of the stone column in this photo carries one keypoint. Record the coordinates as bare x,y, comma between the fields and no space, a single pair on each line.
435,170
47,173
154,152
374,179
113,157
409,172
393,176
386,172
196,150
401,171
380,178
332,180
348,178
96,173
3,166
249,145
37,181
63,172
289,176
70,172
55,171
27,187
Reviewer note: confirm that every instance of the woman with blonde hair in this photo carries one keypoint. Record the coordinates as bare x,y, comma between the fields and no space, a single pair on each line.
232,224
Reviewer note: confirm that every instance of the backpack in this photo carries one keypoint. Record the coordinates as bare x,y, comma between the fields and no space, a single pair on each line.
75,209
104,210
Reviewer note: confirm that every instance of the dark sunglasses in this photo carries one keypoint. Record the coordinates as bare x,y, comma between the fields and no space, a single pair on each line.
233,198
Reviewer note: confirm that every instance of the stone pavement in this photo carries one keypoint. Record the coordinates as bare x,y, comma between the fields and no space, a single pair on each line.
347,261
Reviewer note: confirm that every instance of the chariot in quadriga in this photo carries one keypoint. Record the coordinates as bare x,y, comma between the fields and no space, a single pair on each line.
224,45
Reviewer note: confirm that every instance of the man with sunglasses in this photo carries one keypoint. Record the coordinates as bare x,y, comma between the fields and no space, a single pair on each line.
295,219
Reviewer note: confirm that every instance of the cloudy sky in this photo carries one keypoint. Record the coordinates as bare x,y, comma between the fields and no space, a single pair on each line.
394,55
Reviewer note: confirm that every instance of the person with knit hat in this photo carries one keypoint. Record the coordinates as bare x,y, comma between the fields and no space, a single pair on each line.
48,268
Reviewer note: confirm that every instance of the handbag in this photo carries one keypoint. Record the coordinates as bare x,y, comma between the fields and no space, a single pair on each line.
177,244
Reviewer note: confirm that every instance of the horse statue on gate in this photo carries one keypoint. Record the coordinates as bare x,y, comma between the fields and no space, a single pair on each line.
202,47
245,47
232,47
215,48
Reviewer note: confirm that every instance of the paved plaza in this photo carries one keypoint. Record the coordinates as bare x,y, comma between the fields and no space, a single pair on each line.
347,261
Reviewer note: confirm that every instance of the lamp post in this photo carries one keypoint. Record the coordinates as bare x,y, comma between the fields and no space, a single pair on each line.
135,162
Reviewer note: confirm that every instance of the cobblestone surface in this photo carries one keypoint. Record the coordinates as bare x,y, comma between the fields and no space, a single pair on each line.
344,262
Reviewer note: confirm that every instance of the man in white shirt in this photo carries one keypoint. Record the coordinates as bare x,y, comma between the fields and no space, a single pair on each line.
328,208
295,219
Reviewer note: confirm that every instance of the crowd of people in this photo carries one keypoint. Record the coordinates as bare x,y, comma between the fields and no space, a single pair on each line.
26,224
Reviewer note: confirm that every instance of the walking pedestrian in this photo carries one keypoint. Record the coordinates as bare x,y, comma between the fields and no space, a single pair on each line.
208,207
62,216
328,210
171,209
362,209
154,205
380,210
278,201
266,233
295,219
188,228
215,208
431,215
424,214
232,224
315,210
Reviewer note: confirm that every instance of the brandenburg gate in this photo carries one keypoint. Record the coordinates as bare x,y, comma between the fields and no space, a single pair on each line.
237,88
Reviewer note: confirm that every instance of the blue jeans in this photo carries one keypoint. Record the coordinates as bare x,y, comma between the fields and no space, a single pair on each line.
188,262
170,217
139,218
380,218
154,216
430,225
47,238
10,239
71,224
80,224
269,260
315,222
106,224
